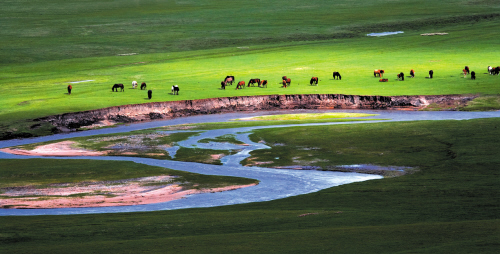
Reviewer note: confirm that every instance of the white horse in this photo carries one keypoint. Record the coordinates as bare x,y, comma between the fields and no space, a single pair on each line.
134,84
490,70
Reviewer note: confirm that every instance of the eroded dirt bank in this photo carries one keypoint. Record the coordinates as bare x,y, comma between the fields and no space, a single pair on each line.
170,109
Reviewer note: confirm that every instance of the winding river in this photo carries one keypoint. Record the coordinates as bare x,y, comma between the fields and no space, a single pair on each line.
274,183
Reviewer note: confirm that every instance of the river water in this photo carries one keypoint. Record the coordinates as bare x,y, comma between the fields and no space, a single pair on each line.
274,183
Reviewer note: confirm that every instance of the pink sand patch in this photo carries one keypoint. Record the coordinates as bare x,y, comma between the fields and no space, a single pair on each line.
217,156
63,148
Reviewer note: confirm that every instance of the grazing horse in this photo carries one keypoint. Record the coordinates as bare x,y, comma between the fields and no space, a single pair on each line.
134,84
380,73
288,81
116,86
284,83
263,83
336,74
431,73
496,71
240,85
314,80
412,73
467,69
143,86
175,89
473,75
465,72
254,81
69,89
228,79
150,94
223,85
401,76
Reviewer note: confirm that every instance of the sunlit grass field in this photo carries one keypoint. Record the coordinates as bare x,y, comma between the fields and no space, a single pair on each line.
195,44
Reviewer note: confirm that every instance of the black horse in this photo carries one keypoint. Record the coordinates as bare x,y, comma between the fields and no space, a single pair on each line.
496,70
412,73
143,86
336,74
473,75
223,85
253,82
175,90
150,94
431,73
401,76
69,89
116,86
314,80
467,69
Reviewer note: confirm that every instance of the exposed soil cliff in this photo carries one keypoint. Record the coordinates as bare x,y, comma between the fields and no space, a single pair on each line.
170,109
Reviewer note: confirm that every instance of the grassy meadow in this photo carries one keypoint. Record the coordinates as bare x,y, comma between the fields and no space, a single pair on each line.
449,206
195,44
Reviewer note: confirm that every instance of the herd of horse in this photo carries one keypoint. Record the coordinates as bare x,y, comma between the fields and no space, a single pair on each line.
336,76
175,88
285,81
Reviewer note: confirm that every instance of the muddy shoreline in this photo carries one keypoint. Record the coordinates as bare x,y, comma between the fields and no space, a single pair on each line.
171,109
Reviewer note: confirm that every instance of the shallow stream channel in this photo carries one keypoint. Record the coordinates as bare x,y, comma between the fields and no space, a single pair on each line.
273,183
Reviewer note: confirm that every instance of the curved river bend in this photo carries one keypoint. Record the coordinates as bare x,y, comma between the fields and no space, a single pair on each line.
274,183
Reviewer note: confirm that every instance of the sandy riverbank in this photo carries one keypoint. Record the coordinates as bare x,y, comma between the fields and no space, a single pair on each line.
134,192
63,148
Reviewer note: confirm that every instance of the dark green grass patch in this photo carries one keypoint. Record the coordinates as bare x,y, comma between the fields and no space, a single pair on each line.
44,172
207,156
229,138
450,206
399,144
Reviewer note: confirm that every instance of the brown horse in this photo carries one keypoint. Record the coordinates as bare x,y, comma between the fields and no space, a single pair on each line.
229,79
288,81
284,83
284,78
69,89
263,83
254,81
116,86
380,73
240,85
412,73
314,80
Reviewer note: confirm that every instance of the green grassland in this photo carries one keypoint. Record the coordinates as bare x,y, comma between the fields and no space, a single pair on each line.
449,206
195,44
